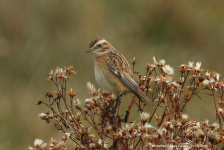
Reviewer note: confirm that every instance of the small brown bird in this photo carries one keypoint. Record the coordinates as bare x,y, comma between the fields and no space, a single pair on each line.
112,71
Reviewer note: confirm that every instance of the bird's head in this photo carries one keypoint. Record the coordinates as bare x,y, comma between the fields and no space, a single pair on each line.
99,46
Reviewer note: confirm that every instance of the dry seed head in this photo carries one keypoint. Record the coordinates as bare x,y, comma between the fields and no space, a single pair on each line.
161,131
39,102
175,85
198,64
108,128
183,68
184,117
71,118
199,133
154,60
144,116
148,126
88,100
42,116
136,133
197,125
127,127
51,73
217,76
71,93
68,70
161,95
161,62
214,137
220,110
38,143
151,66
91,88
133,61
132,126
31,148
77,103
206,121
89,103
119,135
168,70
198,67
100,143
78,114
190,64
142,78
205,82
207,74
215,126
66,136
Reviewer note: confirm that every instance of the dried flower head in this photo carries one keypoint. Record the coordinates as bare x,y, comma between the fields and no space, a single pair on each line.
71,93
217,76
42,115
77,102
198,67
220,110
39,102
91,88
215,126
162,62
133,61
168,70
144,116
66,136
190,64
38,143
205,82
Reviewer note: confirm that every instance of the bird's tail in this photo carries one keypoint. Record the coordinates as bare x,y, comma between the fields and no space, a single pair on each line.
141,95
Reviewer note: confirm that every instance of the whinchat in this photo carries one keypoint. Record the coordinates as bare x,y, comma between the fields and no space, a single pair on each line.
112,71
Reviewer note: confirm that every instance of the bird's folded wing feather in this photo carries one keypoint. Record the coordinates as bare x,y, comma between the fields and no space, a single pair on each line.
120,67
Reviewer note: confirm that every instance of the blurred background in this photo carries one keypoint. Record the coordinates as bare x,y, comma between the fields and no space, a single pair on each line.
37,36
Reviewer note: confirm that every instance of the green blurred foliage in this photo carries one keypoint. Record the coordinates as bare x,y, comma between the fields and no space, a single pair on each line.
37,36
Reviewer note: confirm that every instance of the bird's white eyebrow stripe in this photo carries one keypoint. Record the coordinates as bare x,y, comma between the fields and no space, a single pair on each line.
101,41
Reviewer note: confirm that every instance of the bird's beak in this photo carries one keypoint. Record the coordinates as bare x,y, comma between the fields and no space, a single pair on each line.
89,50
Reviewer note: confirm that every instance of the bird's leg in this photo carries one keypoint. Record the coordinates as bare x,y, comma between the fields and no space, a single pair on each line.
114,109
139,107
117,99
111,104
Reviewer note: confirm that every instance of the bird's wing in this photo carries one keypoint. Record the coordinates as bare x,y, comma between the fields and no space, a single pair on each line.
120,67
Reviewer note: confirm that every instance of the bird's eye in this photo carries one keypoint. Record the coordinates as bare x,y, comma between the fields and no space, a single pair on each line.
99,45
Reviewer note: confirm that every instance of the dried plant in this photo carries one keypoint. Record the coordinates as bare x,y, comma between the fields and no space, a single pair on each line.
112,131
